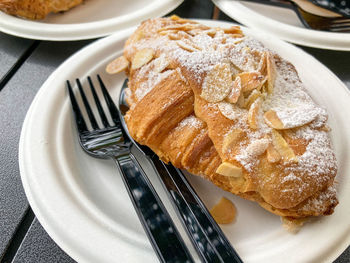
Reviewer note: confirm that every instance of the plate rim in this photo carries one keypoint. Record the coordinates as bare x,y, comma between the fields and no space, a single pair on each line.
30,195
300,36
37,30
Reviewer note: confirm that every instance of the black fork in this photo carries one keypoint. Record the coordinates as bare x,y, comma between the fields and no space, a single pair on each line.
111,141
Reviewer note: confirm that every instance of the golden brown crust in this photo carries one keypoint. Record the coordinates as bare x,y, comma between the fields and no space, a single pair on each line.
178,112
36,9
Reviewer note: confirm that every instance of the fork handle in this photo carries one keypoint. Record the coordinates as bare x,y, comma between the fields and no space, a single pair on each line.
206,236
158,225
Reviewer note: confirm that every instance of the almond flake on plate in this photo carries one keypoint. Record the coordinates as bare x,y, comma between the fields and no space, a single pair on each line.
118,65
223,212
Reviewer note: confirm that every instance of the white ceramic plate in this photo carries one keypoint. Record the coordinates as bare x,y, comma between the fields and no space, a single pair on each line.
82,203
282,23
93,18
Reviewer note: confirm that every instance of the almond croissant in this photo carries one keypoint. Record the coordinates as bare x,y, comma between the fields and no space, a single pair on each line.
220,105
36,9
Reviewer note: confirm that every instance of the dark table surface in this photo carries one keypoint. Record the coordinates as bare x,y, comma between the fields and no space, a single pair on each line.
25,65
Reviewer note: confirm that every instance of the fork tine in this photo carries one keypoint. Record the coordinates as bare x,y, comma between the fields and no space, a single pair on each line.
98,104
79,120
340,20
337,24
341,25
111,106
87,106
341,29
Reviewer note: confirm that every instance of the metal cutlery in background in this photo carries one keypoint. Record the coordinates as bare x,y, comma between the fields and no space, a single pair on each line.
314,9
206,236
339,6
111,141
332,24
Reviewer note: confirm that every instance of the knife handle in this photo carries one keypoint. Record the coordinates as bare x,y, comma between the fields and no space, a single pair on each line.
158,225
206,236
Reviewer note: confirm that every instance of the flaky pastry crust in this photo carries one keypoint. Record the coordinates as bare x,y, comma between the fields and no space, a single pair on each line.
36,9
220,105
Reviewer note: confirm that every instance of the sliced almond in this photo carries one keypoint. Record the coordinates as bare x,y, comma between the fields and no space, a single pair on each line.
235,91
175,17
325,128
142,57
272,120
190,42
218,83
184,34
161,63
257,147
252,97
182,27
236,36
271,73
233,30
289,117
167,32
238,41
251,80
228,169
272,155
282,147
139,35
117,65
232,138
253,113
293,225
223,212
241,101
186,45
211,32
262,68
181,20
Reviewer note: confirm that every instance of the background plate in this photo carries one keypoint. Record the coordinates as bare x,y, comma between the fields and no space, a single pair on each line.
282,23
91,19
82,203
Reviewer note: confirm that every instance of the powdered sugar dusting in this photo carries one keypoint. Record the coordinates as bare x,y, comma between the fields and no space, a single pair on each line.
191,121
249,154
293,106
319,158
322,202
153,78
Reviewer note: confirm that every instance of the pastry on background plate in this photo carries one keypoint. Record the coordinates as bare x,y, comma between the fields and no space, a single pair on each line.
221,105
36,9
